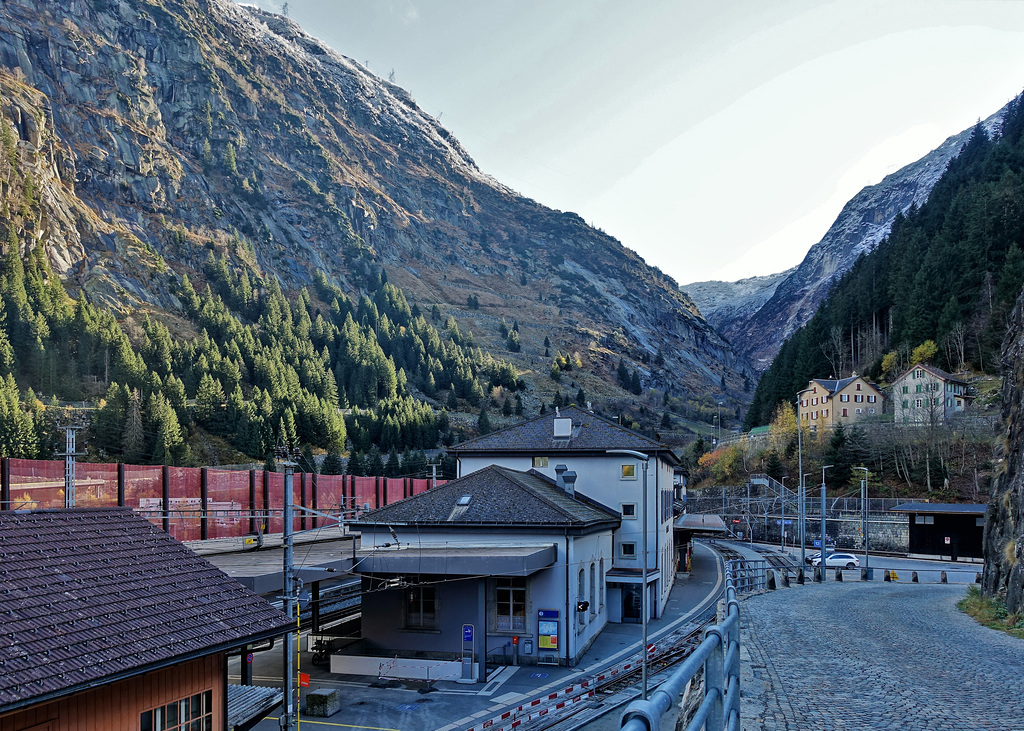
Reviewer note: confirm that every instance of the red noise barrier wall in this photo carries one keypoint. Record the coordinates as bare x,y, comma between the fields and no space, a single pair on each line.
201,503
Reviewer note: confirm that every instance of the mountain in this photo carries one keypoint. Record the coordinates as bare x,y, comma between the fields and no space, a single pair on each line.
939,288
161,133
728,306
767,310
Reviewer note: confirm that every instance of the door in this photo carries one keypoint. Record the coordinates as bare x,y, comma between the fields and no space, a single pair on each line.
632,604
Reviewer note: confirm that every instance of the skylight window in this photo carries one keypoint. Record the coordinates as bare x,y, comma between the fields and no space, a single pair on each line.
464,500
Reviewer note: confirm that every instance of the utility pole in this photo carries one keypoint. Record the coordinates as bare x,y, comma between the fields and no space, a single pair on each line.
69,455
288,715
801,496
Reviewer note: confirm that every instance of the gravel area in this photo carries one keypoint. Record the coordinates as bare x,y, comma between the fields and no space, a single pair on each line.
875,656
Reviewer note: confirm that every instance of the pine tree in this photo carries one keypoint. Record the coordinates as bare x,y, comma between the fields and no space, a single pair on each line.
483,422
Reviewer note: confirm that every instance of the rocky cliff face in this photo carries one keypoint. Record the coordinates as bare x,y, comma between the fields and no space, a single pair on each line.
767,310
159,131
1004,520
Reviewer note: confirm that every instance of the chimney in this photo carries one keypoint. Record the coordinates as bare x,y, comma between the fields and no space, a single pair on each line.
569,478
559,471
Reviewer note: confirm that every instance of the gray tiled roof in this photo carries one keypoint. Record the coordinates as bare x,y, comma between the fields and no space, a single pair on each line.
935,371
91,596
496,495
590,433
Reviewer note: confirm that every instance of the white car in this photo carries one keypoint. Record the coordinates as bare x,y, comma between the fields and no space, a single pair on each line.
842,560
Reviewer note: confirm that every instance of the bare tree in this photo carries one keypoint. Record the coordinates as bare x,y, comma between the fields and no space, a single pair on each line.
834,349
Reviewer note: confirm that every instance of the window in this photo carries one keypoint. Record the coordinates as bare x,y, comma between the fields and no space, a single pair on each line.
814,402
540,461
628,472
629,510
814,414
824,414
581,593
858,386
593,590
194,713
421,607
627,550
917,388
510,604
860,411
859,398
979,522
917,402
871,399
824,399
905,403
924,519
846,412
845,397
601,587
906,389
871,411
935,401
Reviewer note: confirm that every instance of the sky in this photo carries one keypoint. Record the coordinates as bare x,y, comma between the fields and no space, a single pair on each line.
719,140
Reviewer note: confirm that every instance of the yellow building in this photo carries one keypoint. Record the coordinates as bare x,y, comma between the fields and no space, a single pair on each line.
826,402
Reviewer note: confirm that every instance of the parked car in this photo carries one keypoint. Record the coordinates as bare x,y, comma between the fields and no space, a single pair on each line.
842,560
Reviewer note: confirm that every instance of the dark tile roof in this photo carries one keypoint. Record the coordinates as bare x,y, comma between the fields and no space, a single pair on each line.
590,433
949,508
496,495
833,385
90,596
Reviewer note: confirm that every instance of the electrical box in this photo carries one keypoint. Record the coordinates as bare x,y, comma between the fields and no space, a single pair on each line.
528,646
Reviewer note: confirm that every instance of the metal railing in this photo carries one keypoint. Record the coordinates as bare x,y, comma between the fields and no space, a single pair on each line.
719,656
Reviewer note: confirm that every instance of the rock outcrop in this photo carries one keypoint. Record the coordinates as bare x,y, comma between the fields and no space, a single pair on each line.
1004,520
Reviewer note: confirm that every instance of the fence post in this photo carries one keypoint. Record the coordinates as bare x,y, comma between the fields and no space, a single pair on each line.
266,501
376,492
165,478
252,501
204,495
120,485
302,500
5,484
315,501
714,680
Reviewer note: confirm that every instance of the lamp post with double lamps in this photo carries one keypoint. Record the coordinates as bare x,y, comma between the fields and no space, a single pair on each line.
643,584
782,530
821,561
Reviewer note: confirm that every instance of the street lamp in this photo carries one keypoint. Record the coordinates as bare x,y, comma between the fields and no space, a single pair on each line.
822,560
643,592
864,514
803,518
800,487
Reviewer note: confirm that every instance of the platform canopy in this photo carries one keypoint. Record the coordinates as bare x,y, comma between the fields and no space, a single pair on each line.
457,560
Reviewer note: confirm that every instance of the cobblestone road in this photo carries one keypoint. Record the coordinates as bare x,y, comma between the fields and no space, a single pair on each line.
875,656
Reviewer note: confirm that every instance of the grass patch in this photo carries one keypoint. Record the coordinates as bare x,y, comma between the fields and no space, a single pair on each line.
991,613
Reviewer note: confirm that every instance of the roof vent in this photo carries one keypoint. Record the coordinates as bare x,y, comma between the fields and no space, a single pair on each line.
559,471
569,478
563,428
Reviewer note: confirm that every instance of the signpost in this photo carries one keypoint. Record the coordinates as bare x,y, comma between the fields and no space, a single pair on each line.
467,654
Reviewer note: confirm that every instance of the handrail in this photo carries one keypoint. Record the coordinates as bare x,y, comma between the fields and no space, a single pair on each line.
719,655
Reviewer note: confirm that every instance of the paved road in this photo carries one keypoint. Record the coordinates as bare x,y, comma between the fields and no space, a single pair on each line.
909,660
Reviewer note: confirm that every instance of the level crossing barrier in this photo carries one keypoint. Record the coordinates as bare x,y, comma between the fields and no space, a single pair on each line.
719,656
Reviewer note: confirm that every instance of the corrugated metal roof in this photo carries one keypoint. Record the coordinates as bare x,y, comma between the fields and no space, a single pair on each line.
92,593
952,508
590,433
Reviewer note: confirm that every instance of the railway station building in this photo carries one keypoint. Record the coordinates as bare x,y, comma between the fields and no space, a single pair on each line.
500,563
598,451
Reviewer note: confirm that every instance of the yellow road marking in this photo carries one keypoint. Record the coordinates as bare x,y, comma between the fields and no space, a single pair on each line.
338,725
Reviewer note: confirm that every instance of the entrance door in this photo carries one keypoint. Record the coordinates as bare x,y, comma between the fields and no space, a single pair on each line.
632,604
